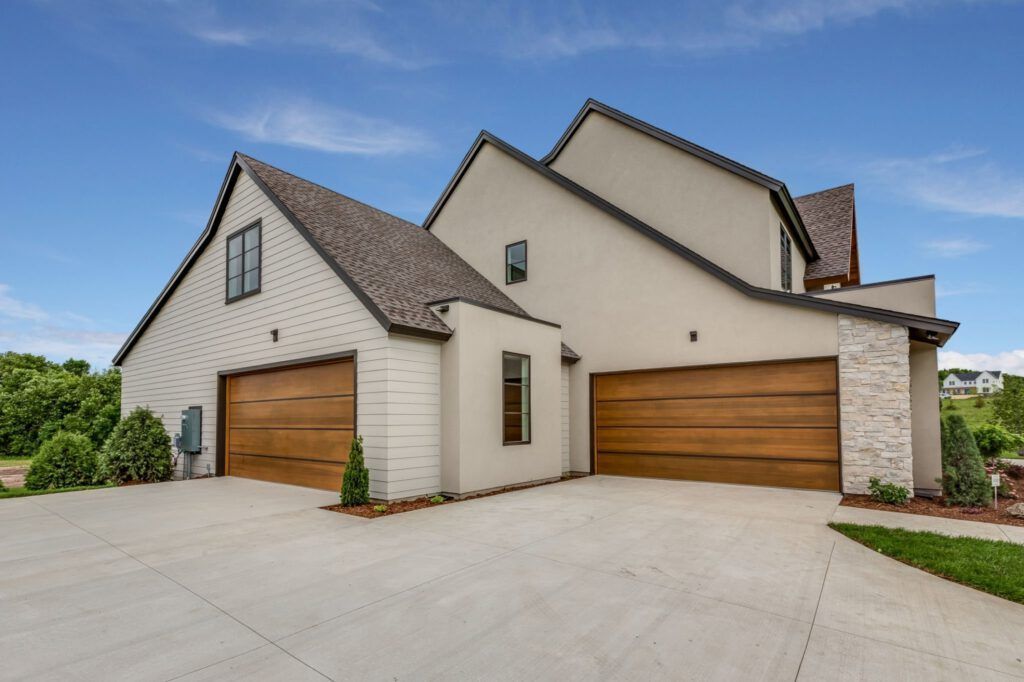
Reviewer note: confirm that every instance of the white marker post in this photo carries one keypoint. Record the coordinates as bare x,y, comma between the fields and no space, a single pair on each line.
995,491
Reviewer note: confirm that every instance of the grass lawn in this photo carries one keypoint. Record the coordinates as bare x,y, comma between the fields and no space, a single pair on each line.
988,565
25,492
974,416
15,462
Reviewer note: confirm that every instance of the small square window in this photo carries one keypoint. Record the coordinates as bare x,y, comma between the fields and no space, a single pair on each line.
244,262
515,262
515,397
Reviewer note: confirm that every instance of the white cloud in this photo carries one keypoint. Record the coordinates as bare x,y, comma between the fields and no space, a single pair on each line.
954,247
306,124
11,307
218,36
1011,361
961,290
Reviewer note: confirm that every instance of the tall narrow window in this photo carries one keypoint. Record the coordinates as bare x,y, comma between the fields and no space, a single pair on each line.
786,254
244,262
515,262
515,396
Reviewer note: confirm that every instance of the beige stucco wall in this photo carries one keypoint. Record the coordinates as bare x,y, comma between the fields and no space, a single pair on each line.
916,296
924,408
725,218
473,456
624,301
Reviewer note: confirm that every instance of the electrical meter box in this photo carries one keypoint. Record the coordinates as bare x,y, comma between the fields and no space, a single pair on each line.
192,430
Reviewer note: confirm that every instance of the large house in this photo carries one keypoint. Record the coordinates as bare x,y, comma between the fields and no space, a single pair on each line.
631,304
972,383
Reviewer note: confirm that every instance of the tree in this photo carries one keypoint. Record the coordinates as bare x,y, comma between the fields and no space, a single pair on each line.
64,461
79,367
355,483
964,480
138,449
1008,404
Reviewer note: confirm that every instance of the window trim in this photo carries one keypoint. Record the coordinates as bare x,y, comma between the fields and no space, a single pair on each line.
526,267
785,259
529,398
228,298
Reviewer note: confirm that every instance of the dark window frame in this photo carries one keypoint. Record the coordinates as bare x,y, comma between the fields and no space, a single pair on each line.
529,399
228,298
525,268
786,259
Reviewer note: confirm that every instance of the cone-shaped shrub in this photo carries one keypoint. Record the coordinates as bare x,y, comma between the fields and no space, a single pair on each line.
964,480
66,460
355,484
138,449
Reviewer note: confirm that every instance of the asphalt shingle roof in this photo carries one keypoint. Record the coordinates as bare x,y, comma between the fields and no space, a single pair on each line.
828,217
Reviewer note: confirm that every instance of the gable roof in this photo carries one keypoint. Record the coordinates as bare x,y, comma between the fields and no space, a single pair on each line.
777,188
394,267
830,218
928,329
971,376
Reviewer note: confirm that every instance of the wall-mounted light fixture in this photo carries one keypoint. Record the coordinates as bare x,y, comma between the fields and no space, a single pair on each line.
442,308
273,335
693,337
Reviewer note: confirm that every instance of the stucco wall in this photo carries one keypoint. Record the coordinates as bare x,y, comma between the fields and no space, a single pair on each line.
472,409
566,466
175,362
915,296
624,301
924,407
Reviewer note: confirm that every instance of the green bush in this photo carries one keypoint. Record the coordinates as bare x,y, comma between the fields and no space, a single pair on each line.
437,499
979,402
380,508
994,439
1008,404
889,493
138,449
64,461
355,483
964,480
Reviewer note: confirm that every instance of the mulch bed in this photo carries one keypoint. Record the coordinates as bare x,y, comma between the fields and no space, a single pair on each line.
936,507
367,510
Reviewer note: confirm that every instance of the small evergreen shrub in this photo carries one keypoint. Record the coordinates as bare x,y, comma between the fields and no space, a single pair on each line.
964,479
138,449
66,460
993,440
437,499
355,483
380,508
889,493
979,402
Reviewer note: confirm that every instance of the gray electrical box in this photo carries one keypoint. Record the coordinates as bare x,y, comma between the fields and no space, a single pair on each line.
192,430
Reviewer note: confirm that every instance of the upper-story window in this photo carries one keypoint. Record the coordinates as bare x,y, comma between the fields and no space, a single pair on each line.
786,256
515,262
243,275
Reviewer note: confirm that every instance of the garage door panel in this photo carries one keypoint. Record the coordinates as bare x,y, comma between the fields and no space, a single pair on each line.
814,376
301,382
309,413
322,444
816,444
787,474
322,475
753,411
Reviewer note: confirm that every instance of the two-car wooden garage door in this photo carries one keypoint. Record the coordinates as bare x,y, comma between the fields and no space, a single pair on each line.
770,424
291,425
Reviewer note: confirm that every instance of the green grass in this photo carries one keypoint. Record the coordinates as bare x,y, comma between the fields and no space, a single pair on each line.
25,492
988,565
974,416
15,461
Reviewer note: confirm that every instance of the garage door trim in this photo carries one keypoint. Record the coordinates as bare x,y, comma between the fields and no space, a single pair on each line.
592,402
222,382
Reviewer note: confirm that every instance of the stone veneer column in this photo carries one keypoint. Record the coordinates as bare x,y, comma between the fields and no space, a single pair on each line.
874,403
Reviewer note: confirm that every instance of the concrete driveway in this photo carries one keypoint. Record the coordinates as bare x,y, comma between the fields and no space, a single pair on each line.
602,577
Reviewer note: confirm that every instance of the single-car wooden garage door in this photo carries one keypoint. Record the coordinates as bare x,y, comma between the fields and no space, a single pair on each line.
772,423
291,425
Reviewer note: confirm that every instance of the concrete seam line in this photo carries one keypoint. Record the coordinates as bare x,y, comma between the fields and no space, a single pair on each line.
810,630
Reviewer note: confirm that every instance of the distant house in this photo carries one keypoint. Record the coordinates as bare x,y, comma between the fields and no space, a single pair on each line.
972,383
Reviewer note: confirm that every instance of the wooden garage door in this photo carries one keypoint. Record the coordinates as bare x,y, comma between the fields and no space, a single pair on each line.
292,425
762,424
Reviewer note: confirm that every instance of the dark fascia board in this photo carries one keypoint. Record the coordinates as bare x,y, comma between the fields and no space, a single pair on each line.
870,285
238,165
942,329
776,187
488,306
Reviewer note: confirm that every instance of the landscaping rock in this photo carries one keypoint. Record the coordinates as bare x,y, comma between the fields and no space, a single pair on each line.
1016,510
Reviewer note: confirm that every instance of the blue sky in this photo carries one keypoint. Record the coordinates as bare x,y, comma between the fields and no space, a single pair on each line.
119,118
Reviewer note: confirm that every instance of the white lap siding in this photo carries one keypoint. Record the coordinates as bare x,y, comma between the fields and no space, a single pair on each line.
175,363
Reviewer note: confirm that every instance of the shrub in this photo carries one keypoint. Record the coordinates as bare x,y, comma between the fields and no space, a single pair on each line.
355,484
979,402
950,404
1008,404
889,493
436,499
964,480
138,449
64,461
380,508
993,440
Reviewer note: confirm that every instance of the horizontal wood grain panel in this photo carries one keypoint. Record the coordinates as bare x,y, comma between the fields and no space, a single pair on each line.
812,475
297,413
323,475
769,443
789,411
332,379
329,445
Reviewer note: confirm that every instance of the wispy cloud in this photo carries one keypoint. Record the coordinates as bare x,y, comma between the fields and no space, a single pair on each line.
236,37
954,247
13,308
310,125
968,289
1011,361
959,180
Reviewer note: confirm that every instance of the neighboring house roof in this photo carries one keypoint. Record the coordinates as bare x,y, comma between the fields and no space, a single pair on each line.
394,267
777,188
929,329
972,376
829,216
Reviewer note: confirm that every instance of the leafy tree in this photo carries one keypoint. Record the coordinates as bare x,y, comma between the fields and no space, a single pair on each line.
79,367
964,480
138,449
355,483
993,440
1008,404
66,460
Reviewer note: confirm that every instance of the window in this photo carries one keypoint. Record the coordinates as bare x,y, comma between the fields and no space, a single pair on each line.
786,254
243,275
515,396
515,262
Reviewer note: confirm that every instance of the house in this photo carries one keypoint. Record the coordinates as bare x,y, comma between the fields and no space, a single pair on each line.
631,304
972,383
